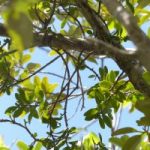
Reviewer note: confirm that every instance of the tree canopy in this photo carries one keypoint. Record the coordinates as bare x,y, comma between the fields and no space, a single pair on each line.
79,35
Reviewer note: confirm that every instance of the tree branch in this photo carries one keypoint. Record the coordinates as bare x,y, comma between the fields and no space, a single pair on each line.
20,125
88,45
94,20
125,59
135,33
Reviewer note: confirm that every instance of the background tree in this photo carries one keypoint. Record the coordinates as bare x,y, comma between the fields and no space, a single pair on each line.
77,34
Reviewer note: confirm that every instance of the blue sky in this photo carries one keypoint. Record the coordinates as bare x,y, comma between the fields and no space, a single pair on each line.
12,133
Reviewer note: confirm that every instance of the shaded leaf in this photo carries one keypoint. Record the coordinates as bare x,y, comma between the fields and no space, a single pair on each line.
143,3
143,106
33,66
101,123
11,109
107,121
91,114
119,141
125,131
144,121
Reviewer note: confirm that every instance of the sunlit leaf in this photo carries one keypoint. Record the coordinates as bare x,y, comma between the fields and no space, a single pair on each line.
20,29
90,140
25,58
22,146
38,146
146,76
133,142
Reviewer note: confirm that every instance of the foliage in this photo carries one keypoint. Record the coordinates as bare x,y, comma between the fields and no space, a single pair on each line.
40,97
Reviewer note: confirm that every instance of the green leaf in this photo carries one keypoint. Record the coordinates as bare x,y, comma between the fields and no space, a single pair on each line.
105,84
101,122
107,121
90,140
103,72
143,106
34,112
111,76
22,146
148,32
146,77
18,112
144,121
89,32
91,76
47,87
2,145
93,137
11,109
133,142
124,131
143,3
63,23
119,141
92,59
91,114
37,80
4,148
25,58
145,146
130,5
20,29
38,146
33,66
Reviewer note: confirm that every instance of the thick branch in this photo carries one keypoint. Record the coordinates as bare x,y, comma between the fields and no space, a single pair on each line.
94,20
135,33
124,59
59,41
96,46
